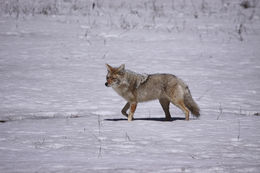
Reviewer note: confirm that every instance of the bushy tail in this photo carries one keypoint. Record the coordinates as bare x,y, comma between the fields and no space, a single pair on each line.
191,104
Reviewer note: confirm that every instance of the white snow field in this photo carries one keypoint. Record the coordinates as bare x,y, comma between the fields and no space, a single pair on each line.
56,115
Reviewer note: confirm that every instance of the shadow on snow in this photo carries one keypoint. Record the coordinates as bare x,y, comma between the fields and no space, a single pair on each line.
145,119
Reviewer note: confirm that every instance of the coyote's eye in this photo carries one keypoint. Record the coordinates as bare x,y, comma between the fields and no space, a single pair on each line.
111,78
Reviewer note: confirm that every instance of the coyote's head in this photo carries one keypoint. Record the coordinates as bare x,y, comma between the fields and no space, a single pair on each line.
114,75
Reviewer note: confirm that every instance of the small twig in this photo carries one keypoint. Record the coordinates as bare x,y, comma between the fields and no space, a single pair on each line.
193,156
100,151
238,136
97,137
240,29
220,111
127,137
99,125
39,143
105,55
194,9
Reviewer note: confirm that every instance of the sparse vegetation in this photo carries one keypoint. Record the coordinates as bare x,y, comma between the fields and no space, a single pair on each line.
57,115
143,14
220,111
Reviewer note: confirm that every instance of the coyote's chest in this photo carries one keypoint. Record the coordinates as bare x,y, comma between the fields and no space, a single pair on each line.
126,93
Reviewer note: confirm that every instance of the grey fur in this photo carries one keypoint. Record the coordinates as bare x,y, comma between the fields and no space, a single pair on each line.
135,88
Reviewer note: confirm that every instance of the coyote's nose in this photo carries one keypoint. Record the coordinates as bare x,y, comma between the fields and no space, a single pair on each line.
106,84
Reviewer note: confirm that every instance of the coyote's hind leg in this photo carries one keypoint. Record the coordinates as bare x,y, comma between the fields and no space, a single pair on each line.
177,98
182,106
165,103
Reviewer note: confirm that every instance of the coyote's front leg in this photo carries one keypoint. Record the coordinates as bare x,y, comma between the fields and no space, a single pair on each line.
132,111
125,108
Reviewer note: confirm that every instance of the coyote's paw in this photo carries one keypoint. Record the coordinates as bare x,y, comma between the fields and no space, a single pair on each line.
130,118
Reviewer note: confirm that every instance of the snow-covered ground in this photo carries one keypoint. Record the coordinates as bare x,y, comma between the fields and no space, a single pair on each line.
57,115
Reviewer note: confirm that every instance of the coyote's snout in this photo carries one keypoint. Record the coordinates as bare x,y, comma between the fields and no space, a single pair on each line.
135,88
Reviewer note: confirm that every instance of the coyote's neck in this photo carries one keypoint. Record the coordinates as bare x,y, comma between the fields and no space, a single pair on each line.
129,84
137,77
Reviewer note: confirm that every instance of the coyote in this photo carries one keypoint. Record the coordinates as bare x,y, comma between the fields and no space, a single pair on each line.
135,88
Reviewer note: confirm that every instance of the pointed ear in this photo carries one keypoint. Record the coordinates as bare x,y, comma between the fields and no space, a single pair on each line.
121,68
109,68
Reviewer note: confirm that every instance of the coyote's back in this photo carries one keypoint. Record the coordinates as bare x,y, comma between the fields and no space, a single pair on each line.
167,88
